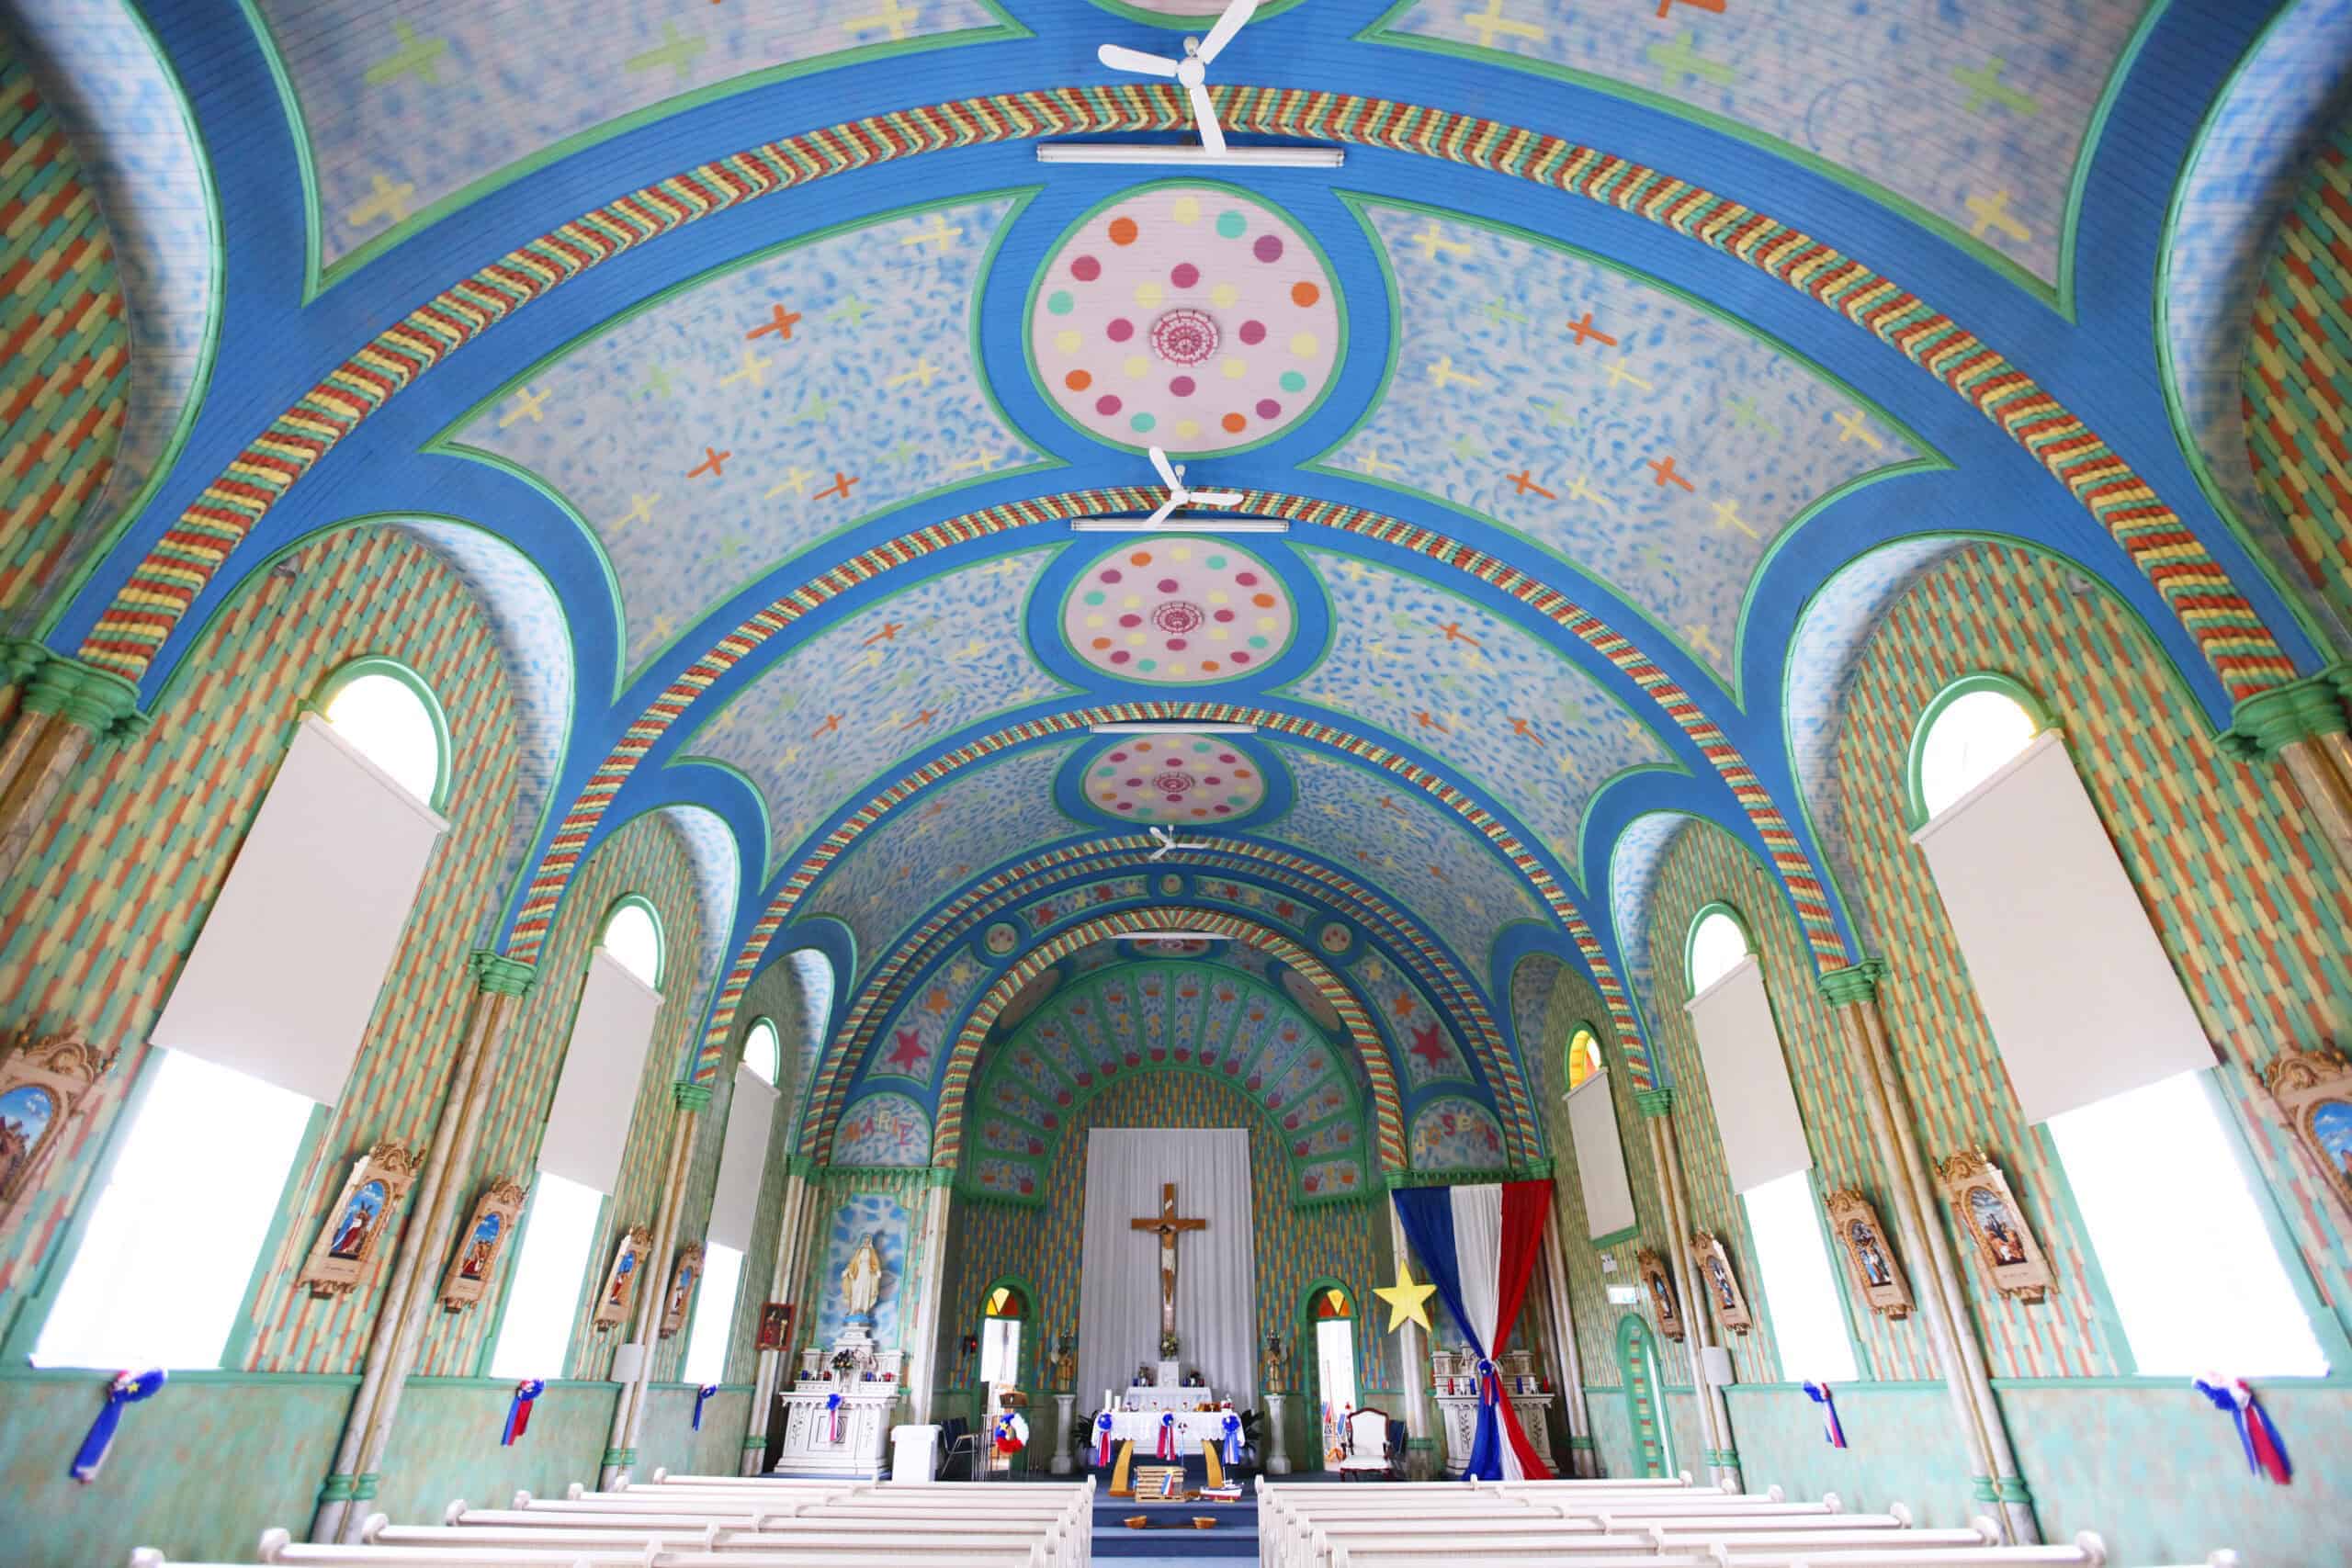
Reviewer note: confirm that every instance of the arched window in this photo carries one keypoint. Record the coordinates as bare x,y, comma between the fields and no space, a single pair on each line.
1584,1056
1718,943
1001,1314
390,715
763,1052
1332,1308
633,937
1965,737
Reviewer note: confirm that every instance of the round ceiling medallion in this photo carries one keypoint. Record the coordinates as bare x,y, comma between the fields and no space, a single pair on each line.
1175,609
1185,316
1175,778
1000,939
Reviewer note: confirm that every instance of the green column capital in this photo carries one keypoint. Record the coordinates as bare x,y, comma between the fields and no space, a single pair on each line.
1724,1458
1587,1444
96,700
19,657
691,1096
1855,983
801,1166
2263,723
938,1176
499,974
1654,1102
363,1487
751,1444
335,1489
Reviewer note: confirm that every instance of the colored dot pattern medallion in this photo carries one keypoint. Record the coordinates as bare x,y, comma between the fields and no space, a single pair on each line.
1174,611
1176,778
1189,317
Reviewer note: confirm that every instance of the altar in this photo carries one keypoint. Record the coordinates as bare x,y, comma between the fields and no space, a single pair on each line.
1194,1428
1144,1396
844,1399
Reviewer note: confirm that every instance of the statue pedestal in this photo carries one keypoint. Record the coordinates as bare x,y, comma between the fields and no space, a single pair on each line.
1063,1403
1277,1463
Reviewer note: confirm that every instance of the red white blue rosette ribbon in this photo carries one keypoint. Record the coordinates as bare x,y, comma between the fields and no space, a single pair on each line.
518,1410
832,1418
1012,1433
1103,1424
1232,1439
2266,1451
702,1396
1167,1448
1832,1431
128,1388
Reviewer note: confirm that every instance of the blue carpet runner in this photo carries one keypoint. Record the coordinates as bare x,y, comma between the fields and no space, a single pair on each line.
1236,1534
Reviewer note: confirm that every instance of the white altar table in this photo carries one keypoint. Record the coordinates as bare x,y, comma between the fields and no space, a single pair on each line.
1194,1428
1143,1397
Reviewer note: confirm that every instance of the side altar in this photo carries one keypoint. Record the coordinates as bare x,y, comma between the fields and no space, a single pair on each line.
845,1399
1455,1378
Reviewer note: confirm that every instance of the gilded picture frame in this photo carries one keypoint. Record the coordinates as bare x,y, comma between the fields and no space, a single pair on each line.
1989,1211
684,1276
364,1209
1872,1265
47,1084
1657,1291
480,1244
775,1326
2314,1091
619,1287
1720,1280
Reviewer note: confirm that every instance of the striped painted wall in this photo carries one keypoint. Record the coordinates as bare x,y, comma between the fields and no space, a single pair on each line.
2248,903
141,845
64,341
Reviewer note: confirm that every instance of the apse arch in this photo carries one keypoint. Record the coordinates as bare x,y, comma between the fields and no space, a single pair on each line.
1388,1108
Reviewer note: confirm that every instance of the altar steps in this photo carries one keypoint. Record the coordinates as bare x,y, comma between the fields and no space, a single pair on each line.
1235,1535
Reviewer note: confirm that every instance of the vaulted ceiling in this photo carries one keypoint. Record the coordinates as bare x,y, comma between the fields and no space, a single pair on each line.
751,364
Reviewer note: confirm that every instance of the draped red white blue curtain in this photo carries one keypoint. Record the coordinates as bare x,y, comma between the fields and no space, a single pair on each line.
1478,1245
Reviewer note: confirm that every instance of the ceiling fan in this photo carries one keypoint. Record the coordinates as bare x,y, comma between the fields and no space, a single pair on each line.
1192,72
1173,475
1167,840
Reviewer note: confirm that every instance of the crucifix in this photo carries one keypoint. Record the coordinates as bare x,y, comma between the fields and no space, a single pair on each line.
1167,1226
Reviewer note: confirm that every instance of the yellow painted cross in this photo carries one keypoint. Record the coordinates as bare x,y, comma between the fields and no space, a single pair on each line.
939,234
1727,516
1445,375
389,203
1431,242
1490,24
924,372
527,404
755,370
1852,428
1993,212
897,18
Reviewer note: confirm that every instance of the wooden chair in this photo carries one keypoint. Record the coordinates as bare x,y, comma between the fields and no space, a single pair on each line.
1367,1456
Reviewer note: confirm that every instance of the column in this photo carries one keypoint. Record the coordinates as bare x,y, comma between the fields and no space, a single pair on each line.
2301,727
1277,1461
628,1411
775,1365
499,984
64,707
1568,1356
1422,1461
921,1336
1656,1106
1944,1302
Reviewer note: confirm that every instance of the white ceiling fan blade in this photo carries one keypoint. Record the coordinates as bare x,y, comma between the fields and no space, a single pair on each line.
1122,59
1215,498
1167,469
1204,116
1175,498
1236,16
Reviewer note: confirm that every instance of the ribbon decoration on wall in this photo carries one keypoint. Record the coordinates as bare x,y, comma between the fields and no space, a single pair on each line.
1479,1244
1167,1444
1232,1438
2266,1451
832,1418
702,1396
1103,1424
1832,1432
518,1410
128,1388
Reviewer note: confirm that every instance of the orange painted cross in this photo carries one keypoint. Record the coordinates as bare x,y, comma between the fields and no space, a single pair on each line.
1665,474
779,322
841,484
1585,330
1666,6
1525,481
714,463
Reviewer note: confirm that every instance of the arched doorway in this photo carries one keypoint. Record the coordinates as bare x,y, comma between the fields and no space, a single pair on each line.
1644,1398
1329,1353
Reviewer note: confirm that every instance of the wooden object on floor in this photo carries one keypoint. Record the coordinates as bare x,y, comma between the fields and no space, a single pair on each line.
1120,1469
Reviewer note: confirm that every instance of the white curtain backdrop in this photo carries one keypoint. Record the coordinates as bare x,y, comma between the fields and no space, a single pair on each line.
1216,1276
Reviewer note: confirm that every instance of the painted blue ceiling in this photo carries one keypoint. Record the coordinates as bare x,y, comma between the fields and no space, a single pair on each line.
1685,447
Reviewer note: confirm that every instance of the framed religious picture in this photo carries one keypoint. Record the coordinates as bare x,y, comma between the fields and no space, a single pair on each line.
1658,1288
620,1280
2007,1243
683,1279
480,1245
47,1083
363,1211
775,1328
1724,1298
1871,1261
2313,1089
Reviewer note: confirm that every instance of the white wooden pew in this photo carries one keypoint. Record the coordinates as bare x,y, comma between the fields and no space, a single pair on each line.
2086,1551
277,1548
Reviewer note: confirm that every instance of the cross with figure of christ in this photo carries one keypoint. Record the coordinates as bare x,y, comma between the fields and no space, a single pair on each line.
1167,1226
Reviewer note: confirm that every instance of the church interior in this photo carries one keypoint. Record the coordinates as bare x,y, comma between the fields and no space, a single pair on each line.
1552,780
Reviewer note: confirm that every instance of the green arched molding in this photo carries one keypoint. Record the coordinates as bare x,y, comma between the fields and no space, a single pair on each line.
661,931
1308,1380
1915,805
1691,935
380,664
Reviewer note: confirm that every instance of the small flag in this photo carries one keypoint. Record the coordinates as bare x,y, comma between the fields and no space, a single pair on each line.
518,1410
1832,1431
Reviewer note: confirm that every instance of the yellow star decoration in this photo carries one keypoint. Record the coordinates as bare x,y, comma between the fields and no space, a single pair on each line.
1405,1299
